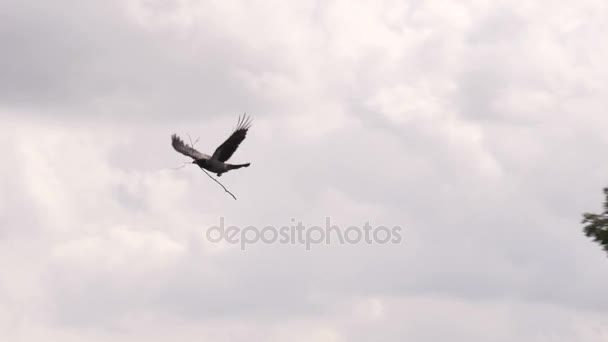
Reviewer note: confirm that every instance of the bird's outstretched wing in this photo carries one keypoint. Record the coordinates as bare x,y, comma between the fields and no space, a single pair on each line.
187,150
225,151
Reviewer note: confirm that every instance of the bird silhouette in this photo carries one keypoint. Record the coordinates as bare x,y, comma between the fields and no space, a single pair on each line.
217,162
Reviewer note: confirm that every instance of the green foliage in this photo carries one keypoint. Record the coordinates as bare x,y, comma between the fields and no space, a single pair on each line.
596,225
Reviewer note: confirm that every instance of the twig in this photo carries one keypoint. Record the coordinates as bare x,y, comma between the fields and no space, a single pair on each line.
192,143
181,167
222,185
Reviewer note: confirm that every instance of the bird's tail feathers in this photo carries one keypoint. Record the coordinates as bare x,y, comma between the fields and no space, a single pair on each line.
238,166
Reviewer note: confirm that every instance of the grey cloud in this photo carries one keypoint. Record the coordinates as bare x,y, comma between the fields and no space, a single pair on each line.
92,61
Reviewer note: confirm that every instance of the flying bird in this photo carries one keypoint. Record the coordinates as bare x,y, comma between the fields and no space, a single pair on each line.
217,162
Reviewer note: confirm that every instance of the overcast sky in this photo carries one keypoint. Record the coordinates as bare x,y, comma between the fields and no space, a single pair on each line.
477,126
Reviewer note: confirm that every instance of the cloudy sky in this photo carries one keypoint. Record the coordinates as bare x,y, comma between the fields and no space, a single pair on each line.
477,126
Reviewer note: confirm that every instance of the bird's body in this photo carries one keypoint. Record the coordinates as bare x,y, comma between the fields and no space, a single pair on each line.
217,162
217,166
